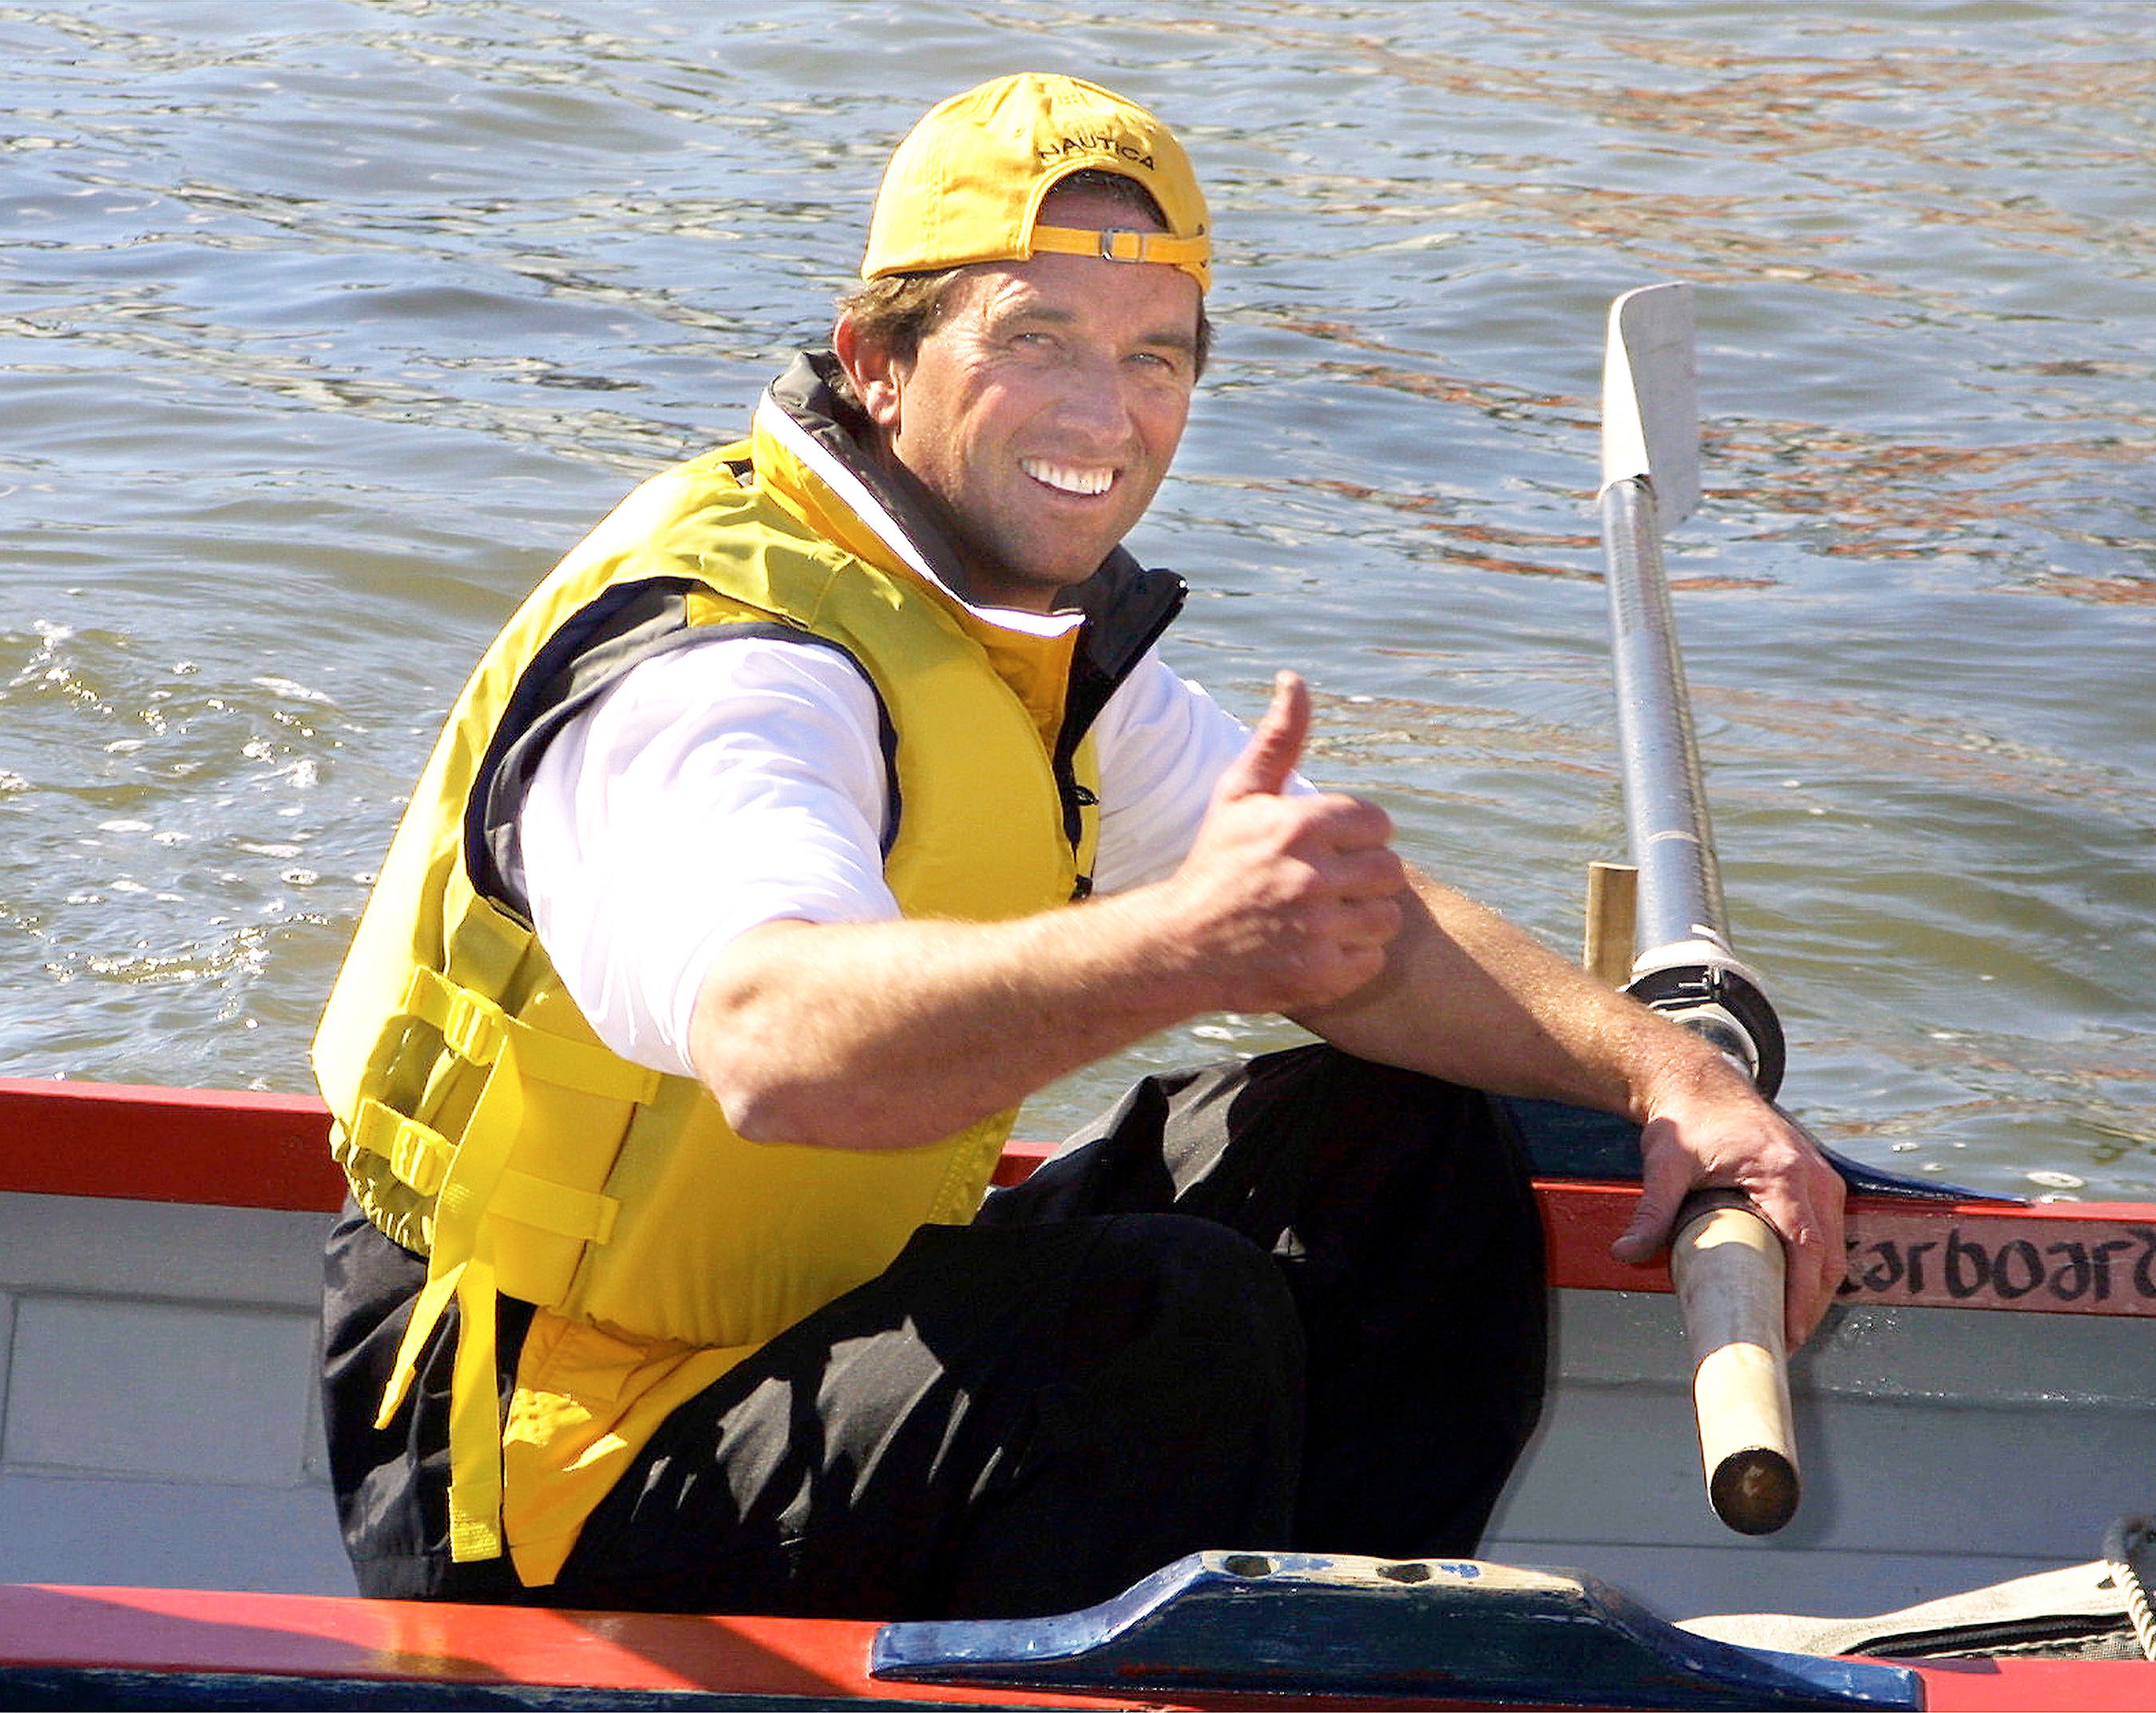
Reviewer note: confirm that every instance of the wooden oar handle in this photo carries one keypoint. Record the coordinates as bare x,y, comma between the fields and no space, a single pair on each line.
1727,1264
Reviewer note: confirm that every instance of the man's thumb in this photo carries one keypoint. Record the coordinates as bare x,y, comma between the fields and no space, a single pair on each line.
1663,1183
1268,761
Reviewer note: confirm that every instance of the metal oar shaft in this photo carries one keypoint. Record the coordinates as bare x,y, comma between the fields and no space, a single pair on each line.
1729,1264
1665,803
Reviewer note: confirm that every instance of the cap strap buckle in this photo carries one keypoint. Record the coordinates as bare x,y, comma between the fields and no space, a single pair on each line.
1121,243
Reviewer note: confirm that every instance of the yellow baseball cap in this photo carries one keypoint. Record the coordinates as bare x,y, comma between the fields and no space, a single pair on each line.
966,185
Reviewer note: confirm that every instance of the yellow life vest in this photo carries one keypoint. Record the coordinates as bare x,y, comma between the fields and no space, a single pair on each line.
480,1120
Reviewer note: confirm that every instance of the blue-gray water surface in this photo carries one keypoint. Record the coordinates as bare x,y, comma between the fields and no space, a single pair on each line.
325,326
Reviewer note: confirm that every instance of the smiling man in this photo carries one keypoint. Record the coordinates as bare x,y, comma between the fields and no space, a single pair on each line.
824,803
1042,415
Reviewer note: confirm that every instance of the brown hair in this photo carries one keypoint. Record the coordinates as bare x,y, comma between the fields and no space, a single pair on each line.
897,312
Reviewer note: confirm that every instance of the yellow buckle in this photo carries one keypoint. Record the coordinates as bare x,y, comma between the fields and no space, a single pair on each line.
420,1156
473,1030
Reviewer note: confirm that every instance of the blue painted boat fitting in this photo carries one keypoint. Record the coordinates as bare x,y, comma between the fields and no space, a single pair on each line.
1329,1625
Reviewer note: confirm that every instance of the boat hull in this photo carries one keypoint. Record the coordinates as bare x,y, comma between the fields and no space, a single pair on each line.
77,1647
1976,1408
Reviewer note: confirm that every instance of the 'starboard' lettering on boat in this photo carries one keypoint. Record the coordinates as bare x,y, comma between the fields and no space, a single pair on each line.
2006,1263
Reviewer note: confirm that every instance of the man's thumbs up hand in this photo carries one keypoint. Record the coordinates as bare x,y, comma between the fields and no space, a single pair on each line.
1268,763
1287,900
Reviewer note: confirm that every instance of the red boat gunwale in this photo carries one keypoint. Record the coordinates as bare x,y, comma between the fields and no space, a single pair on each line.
243,1149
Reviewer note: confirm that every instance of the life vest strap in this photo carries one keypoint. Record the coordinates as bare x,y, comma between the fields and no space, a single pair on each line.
581,1214
462,1267
475,1029
473,1182
417,1154
420,1155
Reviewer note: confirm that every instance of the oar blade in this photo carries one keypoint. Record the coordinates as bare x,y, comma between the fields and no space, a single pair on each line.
1651,399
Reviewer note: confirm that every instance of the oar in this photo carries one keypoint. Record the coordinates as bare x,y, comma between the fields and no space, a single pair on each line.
1726,1262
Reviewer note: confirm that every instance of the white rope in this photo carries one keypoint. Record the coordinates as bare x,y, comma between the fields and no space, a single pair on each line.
2119,1541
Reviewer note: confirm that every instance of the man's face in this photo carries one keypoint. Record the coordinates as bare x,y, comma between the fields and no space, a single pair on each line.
1043,410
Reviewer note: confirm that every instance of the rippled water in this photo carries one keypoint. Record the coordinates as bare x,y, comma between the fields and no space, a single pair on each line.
324,328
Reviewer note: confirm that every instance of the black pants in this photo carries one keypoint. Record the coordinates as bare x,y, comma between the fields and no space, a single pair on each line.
1294,1304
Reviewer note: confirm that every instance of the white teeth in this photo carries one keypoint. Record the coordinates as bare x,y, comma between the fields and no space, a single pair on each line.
1068,478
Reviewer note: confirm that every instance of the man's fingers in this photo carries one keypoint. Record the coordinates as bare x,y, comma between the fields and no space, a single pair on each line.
1812,1244
1269,761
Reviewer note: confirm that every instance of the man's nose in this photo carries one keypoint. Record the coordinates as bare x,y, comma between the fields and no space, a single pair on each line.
1094,396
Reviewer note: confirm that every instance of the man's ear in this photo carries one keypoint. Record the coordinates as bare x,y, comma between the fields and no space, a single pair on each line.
878,376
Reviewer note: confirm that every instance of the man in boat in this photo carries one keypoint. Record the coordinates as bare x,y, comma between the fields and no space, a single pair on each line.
823,804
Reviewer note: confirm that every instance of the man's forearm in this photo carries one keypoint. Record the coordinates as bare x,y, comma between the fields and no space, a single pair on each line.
894,1034
1467,996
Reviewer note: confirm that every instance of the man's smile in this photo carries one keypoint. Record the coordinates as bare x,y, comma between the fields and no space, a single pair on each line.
1083,479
